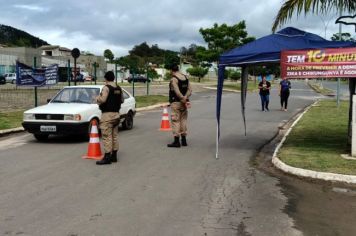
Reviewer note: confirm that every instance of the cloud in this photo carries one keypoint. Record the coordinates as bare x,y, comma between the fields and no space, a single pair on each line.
32,8
119,25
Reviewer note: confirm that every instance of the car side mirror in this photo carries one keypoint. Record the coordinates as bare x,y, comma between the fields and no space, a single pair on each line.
48,100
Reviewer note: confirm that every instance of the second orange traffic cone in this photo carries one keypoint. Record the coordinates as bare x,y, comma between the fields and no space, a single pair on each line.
94,149
165,126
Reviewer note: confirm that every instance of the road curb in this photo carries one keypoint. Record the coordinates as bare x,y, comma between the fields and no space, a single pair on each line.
10,131
227,90
350,179
152,107
20,129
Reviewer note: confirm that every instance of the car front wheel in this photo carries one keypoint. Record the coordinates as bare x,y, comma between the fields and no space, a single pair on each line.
41,137
128,122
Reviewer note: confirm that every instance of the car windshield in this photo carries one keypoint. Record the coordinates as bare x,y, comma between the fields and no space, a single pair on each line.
77,95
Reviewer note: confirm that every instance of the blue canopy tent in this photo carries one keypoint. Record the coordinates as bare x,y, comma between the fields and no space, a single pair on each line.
266,50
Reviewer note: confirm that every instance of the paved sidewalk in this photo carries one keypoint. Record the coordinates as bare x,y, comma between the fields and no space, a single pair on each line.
350,179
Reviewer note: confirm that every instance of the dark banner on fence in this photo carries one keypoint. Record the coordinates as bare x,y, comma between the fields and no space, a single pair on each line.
36,77
319,63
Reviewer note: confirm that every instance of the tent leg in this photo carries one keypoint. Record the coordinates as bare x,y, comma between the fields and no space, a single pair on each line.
217,142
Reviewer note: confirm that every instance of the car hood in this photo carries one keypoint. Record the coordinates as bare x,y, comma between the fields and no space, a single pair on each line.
61,108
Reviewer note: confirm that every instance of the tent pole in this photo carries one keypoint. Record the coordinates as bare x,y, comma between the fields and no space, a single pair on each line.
221,70
217,142
244,81
338,79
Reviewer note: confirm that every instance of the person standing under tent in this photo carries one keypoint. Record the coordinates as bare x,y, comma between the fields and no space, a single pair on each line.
264,86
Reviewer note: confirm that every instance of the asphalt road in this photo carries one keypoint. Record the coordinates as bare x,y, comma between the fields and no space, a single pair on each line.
48,189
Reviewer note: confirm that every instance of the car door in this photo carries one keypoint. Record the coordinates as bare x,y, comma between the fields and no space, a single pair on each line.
125,107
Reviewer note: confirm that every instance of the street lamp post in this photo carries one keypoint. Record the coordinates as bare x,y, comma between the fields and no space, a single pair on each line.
75,54
95,73
115,73
68,72
34,66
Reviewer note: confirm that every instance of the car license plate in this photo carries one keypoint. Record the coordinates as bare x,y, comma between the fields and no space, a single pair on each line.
45,128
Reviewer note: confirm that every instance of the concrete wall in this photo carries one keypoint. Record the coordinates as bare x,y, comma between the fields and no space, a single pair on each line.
8,57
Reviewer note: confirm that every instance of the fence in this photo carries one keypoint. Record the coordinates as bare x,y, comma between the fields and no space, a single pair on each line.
15,98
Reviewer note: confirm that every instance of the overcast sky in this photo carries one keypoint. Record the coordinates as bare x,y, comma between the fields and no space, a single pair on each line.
118,25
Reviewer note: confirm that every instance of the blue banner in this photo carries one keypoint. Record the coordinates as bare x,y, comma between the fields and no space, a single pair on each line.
36,77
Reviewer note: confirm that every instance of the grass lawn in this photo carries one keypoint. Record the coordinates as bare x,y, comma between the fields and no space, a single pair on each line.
237,86
10,120
251,85
318,140
143,101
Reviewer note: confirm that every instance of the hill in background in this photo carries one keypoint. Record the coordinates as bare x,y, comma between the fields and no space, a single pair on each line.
13,37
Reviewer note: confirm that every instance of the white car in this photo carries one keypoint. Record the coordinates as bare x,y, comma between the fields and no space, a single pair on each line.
10,78
71,112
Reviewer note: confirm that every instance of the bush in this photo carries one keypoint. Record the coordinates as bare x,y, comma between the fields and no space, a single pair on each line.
197,71
235,75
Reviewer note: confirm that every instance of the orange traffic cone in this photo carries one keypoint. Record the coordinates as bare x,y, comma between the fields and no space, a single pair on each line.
94,150
165,126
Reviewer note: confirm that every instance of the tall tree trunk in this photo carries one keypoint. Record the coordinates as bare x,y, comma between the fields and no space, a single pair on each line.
352,84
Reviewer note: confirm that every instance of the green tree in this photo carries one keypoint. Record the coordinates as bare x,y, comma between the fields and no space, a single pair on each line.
221,38
235,75
152,73
171,59
152,54
129,62
273,69
188,55
142,50
344,37
315,6
198,71
108,55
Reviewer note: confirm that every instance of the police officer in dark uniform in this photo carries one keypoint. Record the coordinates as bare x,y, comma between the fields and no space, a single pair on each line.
179,93
109,102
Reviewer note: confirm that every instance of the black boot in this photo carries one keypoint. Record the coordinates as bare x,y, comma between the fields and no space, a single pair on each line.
106,160
175,143
114,156
184,141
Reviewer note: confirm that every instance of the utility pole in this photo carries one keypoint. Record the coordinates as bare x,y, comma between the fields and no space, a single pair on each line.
338,79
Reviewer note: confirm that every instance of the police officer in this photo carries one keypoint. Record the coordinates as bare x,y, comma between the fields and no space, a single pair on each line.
109,102
179,93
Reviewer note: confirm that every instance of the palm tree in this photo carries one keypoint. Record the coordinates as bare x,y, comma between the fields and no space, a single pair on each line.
314,6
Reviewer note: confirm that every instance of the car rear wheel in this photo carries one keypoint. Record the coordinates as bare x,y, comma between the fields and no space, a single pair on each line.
13,81
128,122
41,137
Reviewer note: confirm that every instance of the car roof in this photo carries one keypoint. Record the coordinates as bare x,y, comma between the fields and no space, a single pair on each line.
85,86
92,86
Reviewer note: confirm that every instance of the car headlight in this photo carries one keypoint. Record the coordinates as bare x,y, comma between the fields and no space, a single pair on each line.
28,116
75,117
